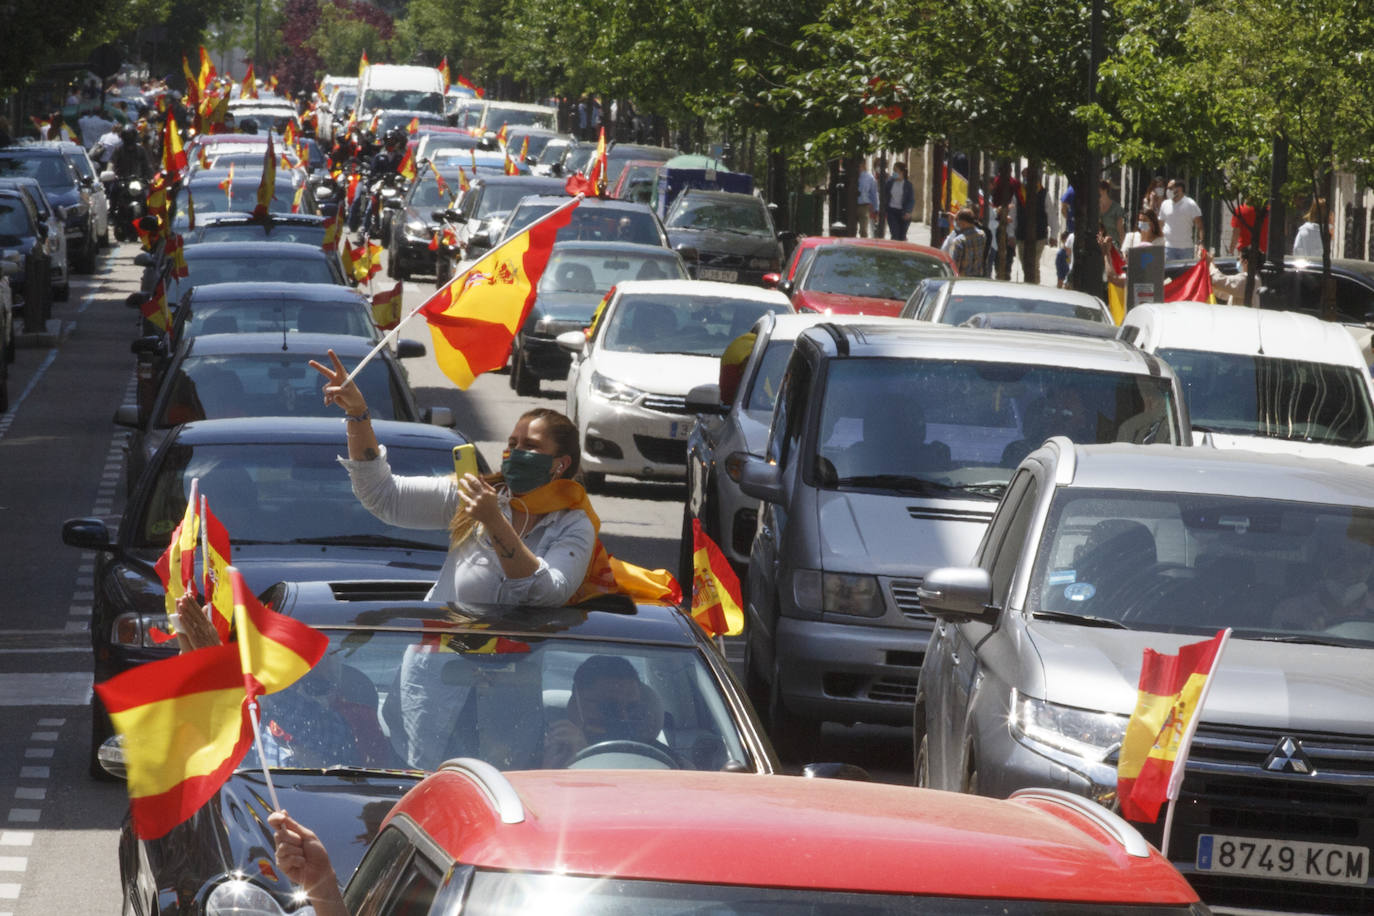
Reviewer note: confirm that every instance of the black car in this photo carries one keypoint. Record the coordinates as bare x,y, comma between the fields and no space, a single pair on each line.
307,229
250,306
732,234
617,154
594,220
406,685
1299,287
22,234
55,241
538,138
576,278
204,194
484,207
229,262
413,226
289,510
64,189
263,374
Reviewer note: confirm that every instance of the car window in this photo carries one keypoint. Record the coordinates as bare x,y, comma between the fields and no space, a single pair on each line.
785,435
206,270
763,388
256,232
1296,400
873,272
1194,563
694,325
208,316
959,309
747,216
1354,299
378,871
427,194
14,219
595,272
1009,550
936,425
262,385
51,171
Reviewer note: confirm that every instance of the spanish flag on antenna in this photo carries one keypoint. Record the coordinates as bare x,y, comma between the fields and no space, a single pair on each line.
716,603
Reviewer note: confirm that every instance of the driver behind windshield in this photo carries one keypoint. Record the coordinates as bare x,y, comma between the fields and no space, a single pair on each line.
608,702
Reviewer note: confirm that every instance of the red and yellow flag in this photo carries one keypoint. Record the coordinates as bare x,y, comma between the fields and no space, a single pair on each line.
215,558
467,84
249,88
332,230
524,149
275,650
463,180
352,191
288,136
1193,285
386,308
443,71
155,310
207,72
407,167
593,183
362,65
509,166
413,127
474,317
716,603
502,137
176,256
1155,749
227,186
192,85
173,154
177,565
444,189
267,187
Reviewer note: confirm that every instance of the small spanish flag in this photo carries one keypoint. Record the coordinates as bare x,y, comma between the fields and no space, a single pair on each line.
502,137
443,71
386,308
407,167
176,566
227,186
216,555
173,154
1155,749
156,310
362,65
716,603
467,84
332,230
413,127
249,88
176,256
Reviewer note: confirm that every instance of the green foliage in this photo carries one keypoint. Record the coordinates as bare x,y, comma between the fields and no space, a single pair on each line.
340,40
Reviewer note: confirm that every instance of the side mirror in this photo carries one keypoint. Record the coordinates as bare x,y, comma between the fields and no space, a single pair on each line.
146,346
87,534
572,341
706,399
957,594
757,477
409,349
439,215
787,236
111,757
108,176
438,416
772,281
480,240
126,415
144,259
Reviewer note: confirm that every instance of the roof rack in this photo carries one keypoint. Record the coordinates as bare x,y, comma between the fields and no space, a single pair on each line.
838,335
1129,838
493,783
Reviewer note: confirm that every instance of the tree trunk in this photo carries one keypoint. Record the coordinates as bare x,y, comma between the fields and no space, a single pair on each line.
1087,257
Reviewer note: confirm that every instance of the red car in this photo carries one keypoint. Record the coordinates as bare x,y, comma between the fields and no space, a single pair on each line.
851,276
472,840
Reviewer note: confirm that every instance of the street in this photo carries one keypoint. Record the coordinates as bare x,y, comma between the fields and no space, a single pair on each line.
61,457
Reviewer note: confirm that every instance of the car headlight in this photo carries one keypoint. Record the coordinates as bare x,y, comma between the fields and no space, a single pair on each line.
1092,736
612,390
837,593
417,230
241,897
324,192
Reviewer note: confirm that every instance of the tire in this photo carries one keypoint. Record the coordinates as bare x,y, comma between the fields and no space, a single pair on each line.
593,481
795,737
104,241
525,382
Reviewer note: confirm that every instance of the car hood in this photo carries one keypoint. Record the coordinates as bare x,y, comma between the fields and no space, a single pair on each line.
1259,684
660,373
808,300
230,833
749,246
1361,455
897,534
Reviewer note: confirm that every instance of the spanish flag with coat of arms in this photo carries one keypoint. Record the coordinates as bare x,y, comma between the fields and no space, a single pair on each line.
1172,691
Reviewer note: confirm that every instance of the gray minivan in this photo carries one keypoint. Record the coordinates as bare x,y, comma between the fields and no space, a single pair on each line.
889,448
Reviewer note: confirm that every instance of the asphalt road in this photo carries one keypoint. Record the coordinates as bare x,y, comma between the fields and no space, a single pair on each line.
60,457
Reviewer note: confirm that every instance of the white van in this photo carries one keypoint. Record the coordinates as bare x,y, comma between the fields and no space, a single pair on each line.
388,87
1263,380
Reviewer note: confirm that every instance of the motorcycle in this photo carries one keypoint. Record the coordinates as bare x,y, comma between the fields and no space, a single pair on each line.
448,251
388,194
128,206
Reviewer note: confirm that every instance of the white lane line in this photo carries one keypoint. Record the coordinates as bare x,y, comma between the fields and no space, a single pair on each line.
43,736
9,891
13,863
51,723
38,753
30,793
8,416
24,815
16,837
35,772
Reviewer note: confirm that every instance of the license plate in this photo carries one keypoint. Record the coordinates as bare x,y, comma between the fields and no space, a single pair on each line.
711,273
680,429
1327,863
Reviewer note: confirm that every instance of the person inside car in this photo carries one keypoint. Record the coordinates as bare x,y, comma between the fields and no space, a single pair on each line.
608,702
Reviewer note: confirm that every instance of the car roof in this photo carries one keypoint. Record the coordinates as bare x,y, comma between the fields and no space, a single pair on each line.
31,149
402,605
255,431
784,831
894,244
221,217
534,181
1223,472
246,343
241,250
726,196
903,337
1007,289
609,203
1041,323
249,290
710,288
1222,329
637,248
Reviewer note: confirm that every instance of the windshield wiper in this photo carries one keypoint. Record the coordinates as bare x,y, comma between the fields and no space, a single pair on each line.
1307,639
1084,619
988,489
904,482
368,540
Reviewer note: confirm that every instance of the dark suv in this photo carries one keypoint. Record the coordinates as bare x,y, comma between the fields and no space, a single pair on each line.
63,186
733,235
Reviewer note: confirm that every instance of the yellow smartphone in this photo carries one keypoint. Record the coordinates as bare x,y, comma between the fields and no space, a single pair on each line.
465,460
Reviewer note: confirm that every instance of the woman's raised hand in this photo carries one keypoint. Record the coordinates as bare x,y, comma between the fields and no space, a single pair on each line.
337,390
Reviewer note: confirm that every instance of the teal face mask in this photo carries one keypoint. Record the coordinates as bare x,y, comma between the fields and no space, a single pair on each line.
525,471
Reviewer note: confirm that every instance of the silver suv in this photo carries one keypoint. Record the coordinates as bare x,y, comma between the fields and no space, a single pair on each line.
1097,553
889,447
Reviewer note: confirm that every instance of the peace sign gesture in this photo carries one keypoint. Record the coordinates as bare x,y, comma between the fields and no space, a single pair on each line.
337,390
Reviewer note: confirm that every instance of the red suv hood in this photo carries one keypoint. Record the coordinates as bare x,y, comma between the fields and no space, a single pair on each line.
840,304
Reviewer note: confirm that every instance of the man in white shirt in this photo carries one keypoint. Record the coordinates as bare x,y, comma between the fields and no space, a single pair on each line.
91,127
1180,216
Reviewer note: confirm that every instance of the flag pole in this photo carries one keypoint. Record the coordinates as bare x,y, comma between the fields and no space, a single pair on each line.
262,758
391,335
1185,744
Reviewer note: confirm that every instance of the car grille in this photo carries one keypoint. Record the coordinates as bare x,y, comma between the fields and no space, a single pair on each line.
893,690
1228,790
662,451
664,403
720,259
904,595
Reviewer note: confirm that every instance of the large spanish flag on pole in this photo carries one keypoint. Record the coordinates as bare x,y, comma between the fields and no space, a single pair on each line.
1155,749
267,187
716,603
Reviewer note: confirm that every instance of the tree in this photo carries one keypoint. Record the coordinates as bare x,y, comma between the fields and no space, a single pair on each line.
346,29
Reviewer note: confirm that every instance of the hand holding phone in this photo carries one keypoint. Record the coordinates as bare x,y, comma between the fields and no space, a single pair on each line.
465,460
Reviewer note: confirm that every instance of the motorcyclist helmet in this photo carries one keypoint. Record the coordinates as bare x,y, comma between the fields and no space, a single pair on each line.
394,138
129,136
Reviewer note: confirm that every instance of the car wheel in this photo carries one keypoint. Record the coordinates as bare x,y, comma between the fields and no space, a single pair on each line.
525,382
104,241
794,736
593,481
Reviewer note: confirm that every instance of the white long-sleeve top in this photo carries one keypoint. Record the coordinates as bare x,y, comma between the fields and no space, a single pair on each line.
563,541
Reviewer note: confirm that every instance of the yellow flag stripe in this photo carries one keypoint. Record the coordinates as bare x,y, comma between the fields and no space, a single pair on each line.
196,732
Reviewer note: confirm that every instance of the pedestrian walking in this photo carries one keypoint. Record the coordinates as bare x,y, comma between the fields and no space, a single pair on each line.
868,200
1308,242
1032,219
899,197
1110,214
880,179
1182,218
1006,197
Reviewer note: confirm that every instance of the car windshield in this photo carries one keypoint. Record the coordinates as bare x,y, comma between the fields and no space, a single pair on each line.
578,158
405,100
746,216
498,115
537,142
220,268
241,196
878,273
232,316
553,151
81,162
414,699
595,224
260,232
14,219
763,390
1299,400
51,171
923,425
696,325
428,195
268,385
961,308
505,893
343,99
497,200
1194,563
279,493
595,272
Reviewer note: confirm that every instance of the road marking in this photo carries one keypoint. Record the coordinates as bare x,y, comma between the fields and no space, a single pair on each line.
51,723
35,772
30,793
16,838
7,417
50,688
24,815
13,863
38,753
9,892
43,736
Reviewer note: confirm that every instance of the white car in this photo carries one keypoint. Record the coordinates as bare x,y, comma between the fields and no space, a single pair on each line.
655,341
957,299
1264,380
